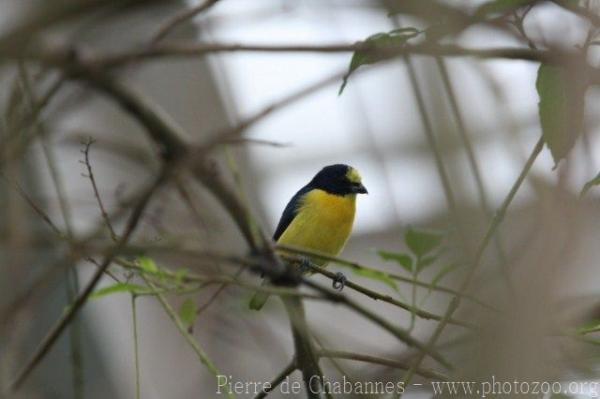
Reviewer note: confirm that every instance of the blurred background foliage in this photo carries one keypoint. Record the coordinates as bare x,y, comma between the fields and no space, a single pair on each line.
443,106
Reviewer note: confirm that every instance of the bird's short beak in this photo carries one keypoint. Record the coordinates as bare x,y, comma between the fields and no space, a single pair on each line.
360,189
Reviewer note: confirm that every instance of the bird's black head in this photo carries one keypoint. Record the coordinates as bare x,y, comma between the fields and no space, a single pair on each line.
339,179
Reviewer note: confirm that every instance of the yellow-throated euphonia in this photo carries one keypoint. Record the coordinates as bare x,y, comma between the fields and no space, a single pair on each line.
319,216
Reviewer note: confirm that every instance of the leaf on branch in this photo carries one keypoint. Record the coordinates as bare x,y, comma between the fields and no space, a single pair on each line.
501,6
402,259
592,325
561,93
594,182
120,287
147,264
422,243
377,275
180,276
188,312
378,41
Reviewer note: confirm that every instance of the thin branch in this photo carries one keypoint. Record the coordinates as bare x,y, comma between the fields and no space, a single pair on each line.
202,356
184,15
388,299
518,23
39,130
233,133
433,145
217,292
90,175
475,170
41,213
289,369
227,280
306,358
398,332
575,8
359,267
379,51
427,373
495,223
136,356
13,147
75,333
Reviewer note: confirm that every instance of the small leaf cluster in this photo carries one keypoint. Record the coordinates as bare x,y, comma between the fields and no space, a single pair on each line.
166,280
425,248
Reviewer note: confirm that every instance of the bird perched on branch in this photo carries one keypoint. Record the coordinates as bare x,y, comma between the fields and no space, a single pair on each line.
319,216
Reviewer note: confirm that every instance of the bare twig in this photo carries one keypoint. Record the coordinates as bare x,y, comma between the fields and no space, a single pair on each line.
14,145
136,357
575,8
466,141
90,175
381,361
42,214
381,52
184,15
216,294
399,333
234,132
39,130
289,369
386,298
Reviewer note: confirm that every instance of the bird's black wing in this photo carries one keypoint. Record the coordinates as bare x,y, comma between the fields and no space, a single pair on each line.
290,211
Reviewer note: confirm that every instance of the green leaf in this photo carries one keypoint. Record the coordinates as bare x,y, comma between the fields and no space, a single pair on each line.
402,259
594,182
397,37
420,242
500,6
591,325
377,275
188,312
119,287
561,95
147,264
180,275
440,275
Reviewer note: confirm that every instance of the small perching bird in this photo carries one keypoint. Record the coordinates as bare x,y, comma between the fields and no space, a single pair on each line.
319,217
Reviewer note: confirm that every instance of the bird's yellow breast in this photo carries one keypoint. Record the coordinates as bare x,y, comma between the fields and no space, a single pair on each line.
322,223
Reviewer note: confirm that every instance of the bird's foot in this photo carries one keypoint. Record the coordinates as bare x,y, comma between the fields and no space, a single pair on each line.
305,265
339,281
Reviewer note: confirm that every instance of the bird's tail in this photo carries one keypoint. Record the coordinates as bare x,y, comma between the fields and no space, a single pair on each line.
259,299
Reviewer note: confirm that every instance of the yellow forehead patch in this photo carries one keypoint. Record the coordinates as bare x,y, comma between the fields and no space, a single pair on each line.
353,175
